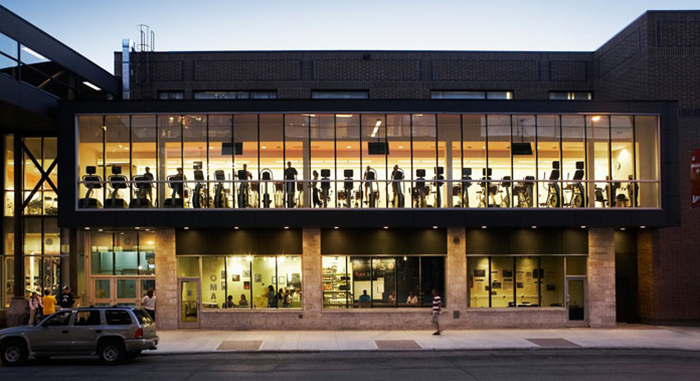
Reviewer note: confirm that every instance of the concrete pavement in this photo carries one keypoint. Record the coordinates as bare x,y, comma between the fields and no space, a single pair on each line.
622,337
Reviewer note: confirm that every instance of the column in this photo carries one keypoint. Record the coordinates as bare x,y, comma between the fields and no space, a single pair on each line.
312,288
456,292
166,280
601,278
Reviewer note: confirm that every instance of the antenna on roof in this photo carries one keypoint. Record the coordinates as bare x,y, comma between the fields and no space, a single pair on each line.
147,39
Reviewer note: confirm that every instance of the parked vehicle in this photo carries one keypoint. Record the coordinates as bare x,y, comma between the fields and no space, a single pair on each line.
113,334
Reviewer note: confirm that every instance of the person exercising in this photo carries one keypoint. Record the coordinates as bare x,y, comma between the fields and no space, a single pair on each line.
290,174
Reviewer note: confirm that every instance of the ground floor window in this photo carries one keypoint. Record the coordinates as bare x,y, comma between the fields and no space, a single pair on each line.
240,281
518,281
381,281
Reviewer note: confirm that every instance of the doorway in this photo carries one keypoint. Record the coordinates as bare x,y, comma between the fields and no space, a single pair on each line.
189,303
576,305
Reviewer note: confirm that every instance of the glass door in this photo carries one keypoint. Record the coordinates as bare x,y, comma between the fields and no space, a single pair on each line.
189,303
576,300
126,292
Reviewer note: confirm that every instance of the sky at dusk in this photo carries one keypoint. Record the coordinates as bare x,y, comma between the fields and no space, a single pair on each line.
96,28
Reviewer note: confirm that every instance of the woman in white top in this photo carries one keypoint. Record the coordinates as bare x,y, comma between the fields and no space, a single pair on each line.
412,298
149,303
34,305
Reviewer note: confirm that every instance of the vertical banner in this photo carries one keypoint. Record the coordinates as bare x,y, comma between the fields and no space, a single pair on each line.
695,178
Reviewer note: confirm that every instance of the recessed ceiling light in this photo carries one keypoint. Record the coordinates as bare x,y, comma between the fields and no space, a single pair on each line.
386,227
263,147
642,227
137,228
348,147
435,227
583,226
595,118
90,85
483,226
622,229
400,147
235,228
534,227
286,228
187,228
87,228
335,227
99,230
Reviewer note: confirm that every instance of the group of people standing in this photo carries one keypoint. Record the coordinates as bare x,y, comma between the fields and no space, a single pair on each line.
43,306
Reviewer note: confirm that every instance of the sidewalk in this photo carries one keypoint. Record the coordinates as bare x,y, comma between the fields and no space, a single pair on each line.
625,336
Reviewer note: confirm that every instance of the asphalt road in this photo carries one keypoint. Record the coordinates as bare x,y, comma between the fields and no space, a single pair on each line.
360,366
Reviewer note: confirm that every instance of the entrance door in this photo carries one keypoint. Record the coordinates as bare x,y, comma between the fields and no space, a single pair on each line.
576,301
189,303
126,292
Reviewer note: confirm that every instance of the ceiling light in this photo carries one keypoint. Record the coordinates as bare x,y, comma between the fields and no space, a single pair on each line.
335,227
534,227
348,147
622,229
286,228
137,228
187,228
87,228
344,115
386,227
483,226
400,147
90,85
99,230
583,226
235,228
435,227
595,118
642,227
376,128
263,147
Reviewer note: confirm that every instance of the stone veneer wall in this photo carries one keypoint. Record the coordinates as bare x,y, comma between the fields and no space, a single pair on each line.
167,311
456,269
601,278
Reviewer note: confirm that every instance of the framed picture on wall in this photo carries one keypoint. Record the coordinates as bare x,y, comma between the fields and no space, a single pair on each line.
223,274
235,278
273,280
296,279
246,273
496,285
479,272
520,285
283,280
507,273
246,285
258,278
223,284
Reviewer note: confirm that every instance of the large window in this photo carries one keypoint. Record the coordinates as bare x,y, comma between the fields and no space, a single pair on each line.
366,160
381,282
507,281
239,281
471,94
256,94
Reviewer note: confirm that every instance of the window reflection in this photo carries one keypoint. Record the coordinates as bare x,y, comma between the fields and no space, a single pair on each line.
364,161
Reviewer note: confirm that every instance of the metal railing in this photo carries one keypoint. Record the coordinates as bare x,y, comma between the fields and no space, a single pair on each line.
356,194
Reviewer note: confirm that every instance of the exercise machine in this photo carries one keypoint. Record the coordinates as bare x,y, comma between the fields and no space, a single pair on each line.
488,190
524,191
143,187
438,183
504,186
200,195
220,199
117,181
419,189
266,176
176,183
578,193
243,188
553,189
464,189
346,194
399,200
325,187
92,182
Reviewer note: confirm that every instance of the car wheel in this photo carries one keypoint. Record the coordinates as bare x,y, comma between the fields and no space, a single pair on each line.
13,353
111,352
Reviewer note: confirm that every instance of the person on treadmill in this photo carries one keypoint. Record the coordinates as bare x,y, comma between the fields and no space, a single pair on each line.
290,174
180,185
148,188
396,177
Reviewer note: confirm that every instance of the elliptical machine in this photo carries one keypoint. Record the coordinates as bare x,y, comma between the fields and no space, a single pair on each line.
373,195
117,181
325,187
199,198
266,177
243,188
505,186
348,186
466,183
220,199
488,190
92,182
143,186
419,189
553,189
439,176
523,190
578,193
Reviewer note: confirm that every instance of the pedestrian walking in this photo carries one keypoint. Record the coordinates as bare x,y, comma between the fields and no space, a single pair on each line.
149,303
437,308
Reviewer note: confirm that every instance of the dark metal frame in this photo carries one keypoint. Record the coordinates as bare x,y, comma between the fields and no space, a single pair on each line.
668,215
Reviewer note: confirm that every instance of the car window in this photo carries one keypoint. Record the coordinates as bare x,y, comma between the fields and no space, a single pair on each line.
58,319
117,317
143,317
87,318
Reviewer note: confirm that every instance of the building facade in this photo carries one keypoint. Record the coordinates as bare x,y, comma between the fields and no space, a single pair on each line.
337,189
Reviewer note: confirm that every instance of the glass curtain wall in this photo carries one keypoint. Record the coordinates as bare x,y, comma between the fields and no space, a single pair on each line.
239,281
367,161
381,282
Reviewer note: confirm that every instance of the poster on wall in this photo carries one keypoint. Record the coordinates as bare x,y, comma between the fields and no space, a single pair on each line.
695,178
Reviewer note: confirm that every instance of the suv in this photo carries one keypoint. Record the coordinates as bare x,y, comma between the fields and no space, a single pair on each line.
111,333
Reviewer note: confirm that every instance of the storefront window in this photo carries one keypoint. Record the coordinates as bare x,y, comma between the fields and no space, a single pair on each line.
381,282
517,281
